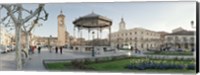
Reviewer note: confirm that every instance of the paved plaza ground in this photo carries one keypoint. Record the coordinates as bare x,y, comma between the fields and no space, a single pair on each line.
35,62
7,61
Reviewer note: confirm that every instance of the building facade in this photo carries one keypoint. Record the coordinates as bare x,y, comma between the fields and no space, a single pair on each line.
180,39
5,37
138,38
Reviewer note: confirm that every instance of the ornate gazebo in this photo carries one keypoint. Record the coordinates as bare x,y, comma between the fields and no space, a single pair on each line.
92,22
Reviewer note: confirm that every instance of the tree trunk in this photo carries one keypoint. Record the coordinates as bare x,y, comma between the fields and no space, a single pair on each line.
18,47
27,42
18,39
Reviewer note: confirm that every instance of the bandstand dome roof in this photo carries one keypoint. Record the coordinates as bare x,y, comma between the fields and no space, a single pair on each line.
92,20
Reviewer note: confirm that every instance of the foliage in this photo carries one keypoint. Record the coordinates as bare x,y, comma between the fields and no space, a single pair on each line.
159,64
170,53
132,64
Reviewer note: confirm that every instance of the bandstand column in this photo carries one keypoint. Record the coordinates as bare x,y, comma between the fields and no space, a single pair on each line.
88,33
110,35
97,33
78,35
100,32
74,32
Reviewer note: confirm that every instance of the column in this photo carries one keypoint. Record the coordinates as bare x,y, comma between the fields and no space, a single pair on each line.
88,34
100,32
110,35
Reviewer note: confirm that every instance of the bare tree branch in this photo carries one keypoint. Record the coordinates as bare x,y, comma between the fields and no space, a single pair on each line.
10,13
24,28
32,26
38,10
30,12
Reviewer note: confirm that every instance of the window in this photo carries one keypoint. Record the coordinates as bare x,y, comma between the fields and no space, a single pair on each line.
130,38
192,39
135,38
141,45
147,46
169,38
135,32
184,39
130,33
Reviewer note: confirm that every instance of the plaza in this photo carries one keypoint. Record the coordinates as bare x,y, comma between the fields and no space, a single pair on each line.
95,37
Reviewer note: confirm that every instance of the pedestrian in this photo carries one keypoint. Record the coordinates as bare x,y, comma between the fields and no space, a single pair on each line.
32,48
60,49
136,50
39,48
56,49
50,49
131,48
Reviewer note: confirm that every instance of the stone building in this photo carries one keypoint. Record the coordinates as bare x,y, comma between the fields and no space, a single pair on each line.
180,39
5,37
138,38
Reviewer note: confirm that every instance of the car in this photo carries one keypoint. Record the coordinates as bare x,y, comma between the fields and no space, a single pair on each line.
126,46
1,51
8,49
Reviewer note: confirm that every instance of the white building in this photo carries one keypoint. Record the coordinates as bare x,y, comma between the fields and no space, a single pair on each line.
139,38
180,39
5,37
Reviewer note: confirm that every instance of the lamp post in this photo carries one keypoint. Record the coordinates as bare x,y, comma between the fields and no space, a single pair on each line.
194,52
50,43
93,44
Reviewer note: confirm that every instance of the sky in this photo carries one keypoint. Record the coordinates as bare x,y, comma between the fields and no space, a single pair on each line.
155,16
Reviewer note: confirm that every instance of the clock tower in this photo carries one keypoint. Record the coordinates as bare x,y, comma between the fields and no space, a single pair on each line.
122,25
61,29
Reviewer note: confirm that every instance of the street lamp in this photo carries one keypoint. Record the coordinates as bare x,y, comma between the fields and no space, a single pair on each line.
93,44
194,52
50,43
192,24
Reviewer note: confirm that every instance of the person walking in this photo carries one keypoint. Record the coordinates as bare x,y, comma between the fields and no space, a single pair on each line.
56,49
39,48
60,49
32,48
50,49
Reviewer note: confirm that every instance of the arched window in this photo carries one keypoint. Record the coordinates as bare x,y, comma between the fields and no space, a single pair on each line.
142,45
184,39
135,38
192,39
131,39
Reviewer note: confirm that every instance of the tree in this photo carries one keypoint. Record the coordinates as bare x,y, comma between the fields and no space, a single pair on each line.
29,27
15,12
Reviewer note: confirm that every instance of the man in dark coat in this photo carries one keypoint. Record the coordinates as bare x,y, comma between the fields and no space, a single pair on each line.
39,48
60,49
56,49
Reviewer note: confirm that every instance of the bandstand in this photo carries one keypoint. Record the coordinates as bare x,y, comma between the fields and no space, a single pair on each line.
94,24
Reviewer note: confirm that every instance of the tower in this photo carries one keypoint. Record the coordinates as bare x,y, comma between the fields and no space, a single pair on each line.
122,25
61,29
